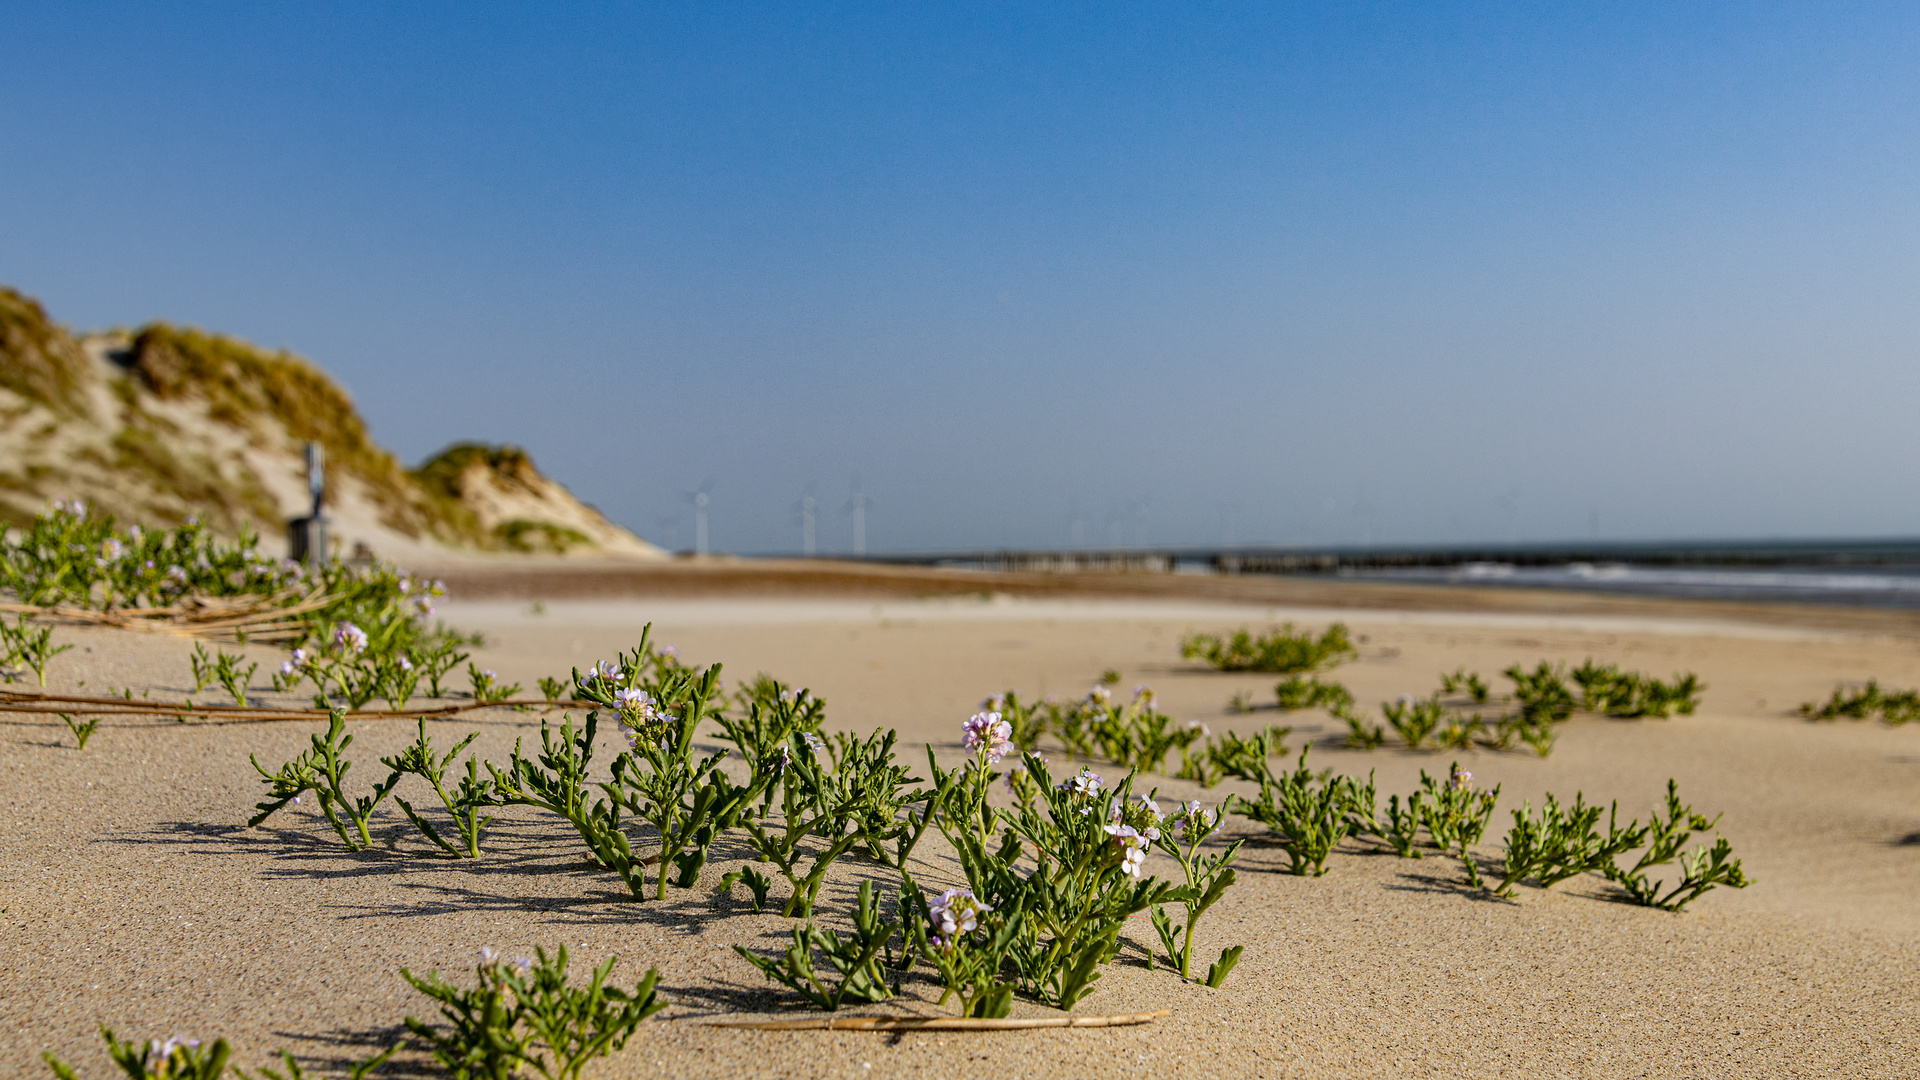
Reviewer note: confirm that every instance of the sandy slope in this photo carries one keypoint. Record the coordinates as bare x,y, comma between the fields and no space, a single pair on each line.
132,896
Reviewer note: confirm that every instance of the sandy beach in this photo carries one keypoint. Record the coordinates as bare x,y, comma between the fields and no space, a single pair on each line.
132,894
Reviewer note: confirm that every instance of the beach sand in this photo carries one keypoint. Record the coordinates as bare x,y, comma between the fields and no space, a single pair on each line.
134,896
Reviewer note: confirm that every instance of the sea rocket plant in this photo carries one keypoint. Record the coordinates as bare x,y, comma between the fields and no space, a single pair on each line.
1207,879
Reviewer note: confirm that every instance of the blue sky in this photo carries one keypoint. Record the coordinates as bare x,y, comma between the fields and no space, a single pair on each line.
1164,274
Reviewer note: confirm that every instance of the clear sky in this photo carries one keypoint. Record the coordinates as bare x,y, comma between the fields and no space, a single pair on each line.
1121,273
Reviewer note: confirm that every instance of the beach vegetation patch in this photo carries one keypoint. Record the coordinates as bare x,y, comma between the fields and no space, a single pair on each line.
1892,707
526,1014
1280,651
1308,692
856,969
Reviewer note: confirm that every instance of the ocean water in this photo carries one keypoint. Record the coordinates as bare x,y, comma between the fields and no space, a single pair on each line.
1894,585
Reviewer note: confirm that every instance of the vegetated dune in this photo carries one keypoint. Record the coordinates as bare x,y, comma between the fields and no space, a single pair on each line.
164,423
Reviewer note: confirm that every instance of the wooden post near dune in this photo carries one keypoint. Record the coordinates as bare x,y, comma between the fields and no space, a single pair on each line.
307,536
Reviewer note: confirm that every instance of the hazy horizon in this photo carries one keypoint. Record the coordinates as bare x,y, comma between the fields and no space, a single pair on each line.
1057,277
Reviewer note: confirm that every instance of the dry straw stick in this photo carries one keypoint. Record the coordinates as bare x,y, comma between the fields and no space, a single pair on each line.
264,619
941,1023
22,701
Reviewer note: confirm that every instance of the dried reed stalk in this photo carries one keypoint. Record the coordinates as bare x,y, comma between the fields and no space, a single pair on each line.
265,619
941,1023
27,701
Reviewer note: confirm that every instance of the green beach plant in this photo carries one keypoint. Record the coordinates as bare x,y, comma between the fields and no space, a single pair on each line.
1557,843
1309,813
1088,843
1468,683
1666,834
25,643
1456,813
858,974
1414,719
175,1058
487,686
528,1015
1280,651
1894,708
463,804
1207,879
968,948
1235,756
82,729
1308,692
1607,689
322,769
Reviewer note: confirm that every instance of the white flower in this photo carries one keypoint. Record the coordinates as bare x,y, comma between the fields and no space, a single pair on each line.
814,742
1204,730
111,550
1098,696
956,912
489,956
1143,694
406,664
668,652
1087,783
988,736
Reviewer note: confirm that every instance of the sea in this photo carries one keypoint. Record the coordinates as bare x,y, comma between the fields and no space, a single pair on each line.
1883,585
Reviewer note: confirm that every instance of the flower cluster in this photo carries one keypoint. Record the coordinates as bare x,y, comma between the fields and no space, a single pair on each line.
954,913
1133,847
1142,815
1099,696
1461,780
988,736
1088,783
642,716
422,599
605,672
349,638
295,664
1195,821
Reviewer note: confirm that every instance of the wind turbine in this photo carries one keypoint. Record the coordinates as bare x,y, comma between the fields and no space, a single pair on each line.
808,508
857,503
699,498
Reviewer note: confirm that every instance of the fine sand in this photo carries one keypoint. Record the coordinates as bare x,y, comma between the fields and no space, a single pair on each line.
131,893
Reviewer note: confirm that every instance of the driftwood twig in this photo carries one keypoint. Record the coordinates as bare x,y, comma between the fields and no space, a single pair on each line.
26,701
940,1023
